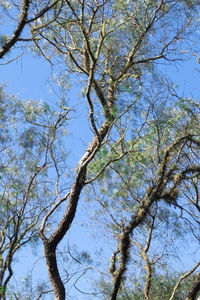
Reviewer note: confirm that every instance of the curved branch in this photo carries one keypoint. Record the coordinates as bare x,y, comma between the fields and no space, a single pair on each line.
22,22
25,4
181,279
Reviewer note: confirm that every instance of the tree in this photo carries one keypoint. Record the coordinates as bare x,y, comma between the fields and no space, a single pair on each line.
127,186
26,189
161,288
28,13
114,49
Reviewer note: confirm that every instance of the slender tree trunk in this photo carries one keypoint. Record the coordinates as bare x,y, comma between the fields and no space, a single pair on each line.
52,268
51,243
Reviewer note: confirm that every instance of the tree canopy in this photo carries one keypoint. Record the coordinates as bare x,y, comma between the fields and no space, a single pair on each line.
139,173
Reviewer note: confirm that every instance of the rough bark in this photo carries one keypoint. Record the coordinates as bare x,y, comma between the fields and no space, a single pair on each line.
22,22
153,194
51,243
52,268
25,4
194,289
125,241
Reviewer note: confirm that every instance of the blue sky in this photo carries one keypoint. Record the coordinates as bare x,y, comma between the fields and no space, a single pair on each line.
28,78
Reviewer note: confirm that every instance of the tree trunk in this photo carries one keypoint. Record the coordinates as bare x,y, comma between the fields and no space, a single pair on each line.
52,268
194,289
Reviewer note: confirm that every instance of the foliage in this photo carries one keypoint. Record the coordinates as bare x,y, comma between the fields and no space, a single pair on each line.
161,289
25,187
141,166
